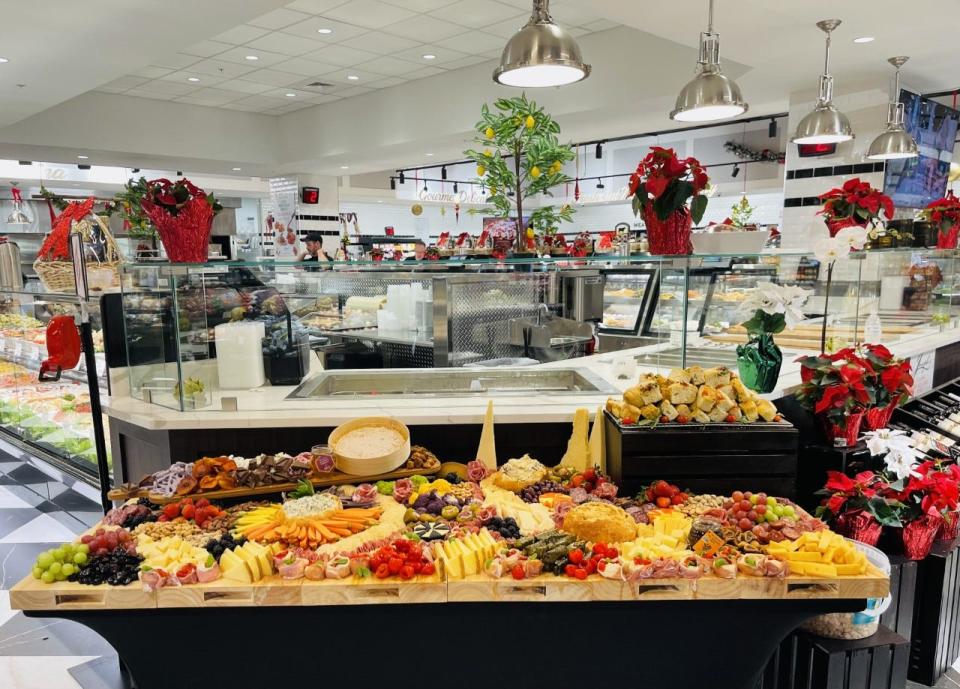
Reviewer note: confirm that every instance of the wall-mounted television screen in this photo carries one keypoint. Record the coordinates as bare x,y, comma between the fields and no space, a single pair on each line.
915,182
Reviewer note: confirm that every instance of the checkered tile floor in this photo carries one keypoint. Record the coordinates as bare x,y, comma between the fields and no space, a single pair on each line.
41,508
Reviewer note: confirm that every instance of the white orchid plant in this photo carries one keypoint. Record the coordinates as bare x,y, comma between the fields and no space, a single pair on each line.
901,454
828,250
773,307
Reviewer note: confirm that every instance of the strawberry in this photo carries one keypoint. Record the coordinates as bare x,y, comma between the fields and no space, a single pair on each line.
189,511
575,556
171,511
580,574
428,569
661,489
406,572
677,499
517,572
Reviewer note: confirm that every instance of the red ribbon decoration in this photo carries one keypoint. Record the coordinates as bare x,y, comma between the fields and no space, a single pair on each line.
16,194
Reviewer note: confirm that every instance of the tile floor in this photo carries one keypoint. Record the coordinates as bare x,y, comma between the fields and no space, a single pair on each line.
39,509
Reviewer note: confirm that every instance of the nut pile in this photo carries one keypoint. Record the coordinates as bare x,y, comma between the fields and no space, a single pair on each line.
186,530
421,458
840,625
698,504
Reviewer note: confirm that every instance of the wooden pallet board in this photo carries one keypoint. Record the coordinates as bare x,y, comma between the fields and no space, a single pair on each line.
478,588
370,591
333,479
226,593
31,594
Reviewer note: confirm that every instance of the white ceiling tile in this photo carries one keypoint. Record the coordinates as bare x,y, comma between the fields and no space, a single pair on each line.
241,34
278,19
477,13
506,29
272,77
388,66
261,101
108,89
425,28
282,93
285,44
155,95
341,30
151,72
418,5
207,48
123,84
183,77
425,72
241,86
381,43
241,107
340,77
314,6
170,88
525,4
386,83
306,68
473,42
176,61
601,25
415,55
264,58
340,55
355,91
372,14
467,61
568,14
222,68
212,97
290,107
319,100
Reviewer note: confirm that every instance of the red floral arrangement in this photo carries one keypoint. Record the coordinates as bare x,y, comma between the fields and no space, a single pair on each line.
183,215
56,245
664,183
868,492
855,203
582,245
945,215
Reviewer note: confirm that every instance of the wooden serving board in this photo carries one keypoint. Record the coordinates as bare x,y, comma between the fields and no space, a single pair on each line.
480,588
353,591
226,593
31,594
332,479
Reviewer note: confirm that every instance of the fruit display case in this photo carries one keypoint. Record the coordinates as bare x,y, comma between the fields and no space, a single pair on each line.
50,419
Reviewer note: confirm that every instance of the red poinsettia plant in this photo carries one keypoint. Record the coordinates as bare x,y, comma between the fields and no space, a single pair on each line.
835,385
855,203
665,183
868,493
183,215
890,379
944,214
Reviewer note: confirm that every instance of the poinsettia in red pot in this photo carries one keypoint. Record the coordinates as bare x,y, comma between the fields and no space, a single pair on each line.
860,506
930,496
944,214
890,381
668,193
834,389
856,203
183,215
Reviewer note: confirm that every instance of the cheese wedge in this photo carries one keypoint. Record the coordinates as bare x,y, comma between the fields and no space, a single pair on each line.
251,561
487,452
234,568
263,556
597,444
577,452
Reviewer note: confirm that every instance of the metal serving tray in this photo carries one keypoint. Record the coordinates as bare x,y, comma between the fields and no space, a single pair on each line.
464,382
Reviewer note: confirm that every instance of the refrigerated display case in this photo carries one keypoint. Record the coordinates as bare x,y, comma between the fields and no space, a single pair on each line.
49,419
682,296
626,296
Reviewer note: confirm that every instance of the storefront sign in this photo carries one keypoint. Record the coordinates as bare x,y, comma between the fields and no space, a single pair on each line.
472,197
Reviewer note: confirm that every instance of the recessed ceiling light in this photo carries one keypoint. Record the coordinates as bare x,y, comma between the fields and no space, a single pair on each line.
429,155
236,169
325,31
194,79
429,56
864,39
379,201
251,57
290,95
82,157
353,77
3,59
344,167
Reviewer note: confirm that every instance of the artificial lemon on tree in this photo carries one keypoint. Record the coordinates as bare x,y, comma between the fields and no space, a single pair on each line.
527,147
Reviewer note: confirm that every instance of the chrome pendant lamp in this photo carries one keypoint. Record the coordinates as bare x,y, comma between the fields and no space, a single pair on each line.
541,54
895,141
18,216
826,124
710,95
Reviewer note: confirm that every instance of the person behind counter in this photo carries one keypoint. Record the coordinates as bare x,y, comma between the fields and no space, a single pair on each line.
419,251
313,249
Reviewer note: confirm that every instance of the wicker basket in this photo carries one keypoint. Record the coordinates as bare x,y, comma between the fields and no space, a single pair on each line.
57,276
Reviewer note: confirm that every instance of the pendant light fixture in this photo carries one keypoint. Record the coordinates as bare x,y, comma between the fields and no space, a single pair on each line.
711,95
541,54
825,124
18,216
894,142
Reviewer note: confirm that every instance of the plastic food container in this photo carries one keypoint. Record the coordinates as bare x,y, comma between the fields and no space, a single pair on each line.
854,625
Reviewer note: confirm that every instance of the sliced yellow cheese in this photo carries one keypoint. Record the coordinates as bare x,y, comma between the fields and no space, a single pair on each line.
251,561
851,570
451,561
263,556
577,452
819,570
597,443
487,452
234,568
804,556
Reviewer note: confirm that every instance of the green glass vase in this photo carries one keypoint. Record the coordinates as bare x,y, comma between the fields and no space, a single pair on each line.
759,362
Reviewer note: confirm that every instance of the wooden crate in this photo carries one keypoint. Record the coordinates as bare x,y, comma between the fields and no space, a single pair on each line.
371,591
714,458
805,661
31,594
903,585
479,588
226,593
935,641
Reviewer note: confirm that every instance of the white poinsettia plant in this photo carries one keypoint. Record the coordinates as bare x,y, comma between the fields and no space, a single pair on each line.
773,307
900,452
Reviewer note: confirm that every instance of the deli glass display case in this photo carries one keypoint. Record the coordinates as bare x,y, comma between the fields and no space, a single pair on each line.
50,419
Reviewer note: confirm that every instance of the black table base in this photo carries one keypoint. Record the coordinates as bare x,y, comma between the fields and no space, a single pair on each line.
680,644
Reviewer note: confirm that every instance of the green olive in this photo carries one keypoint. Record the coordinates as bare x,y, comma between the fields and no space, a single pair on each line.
410,515
449,512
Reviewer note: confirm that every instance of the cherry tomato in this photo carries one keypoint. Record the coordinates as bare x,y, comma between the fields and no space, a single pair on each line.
569,570
395,564
580,573
383,571
428,569
575,556
517,572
